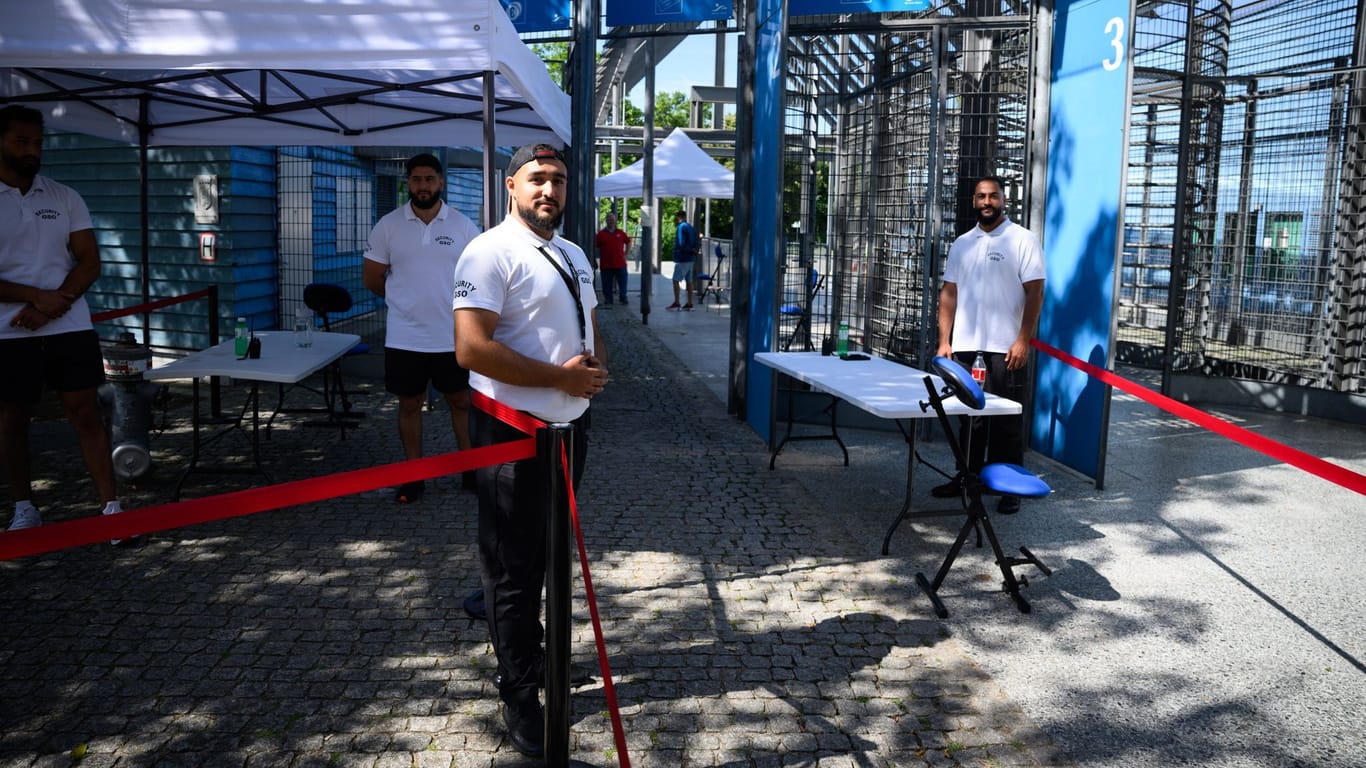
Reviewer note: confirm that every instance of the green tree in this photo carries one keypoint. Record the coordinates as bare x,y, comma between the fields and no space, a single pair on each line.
672,111
556,58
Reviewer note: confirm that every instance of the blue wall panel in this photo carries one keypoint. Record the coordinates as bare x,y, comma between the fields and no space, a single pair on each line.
1087,145
766,207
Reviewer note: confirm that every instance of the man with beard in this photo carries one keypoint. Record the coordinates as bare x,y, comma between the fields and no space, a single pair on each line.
410,263
526,327
48,260
990,304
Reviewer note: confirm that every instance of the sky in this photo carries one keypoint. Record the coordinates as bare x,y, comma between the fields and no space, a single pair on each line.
691,63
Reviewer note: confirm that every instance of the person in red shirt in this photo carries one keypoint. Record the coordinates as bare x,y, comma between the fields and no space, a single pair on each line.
611,245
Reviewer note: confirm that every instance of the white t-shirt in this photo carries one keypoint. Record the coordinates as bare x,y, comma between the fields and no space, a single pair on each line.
34,232
504,271
421,260
990,270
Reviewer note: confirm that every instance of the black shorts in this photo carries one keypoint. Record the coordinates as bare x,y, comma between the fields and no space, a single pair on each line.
65,362
406,373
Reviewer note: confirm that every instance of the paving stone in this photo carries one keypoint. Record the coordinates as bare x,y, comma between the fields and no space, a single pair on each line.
743,628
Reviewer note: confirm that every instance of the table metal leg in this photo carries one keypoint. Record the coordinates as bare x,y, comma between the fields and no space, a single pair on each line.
197,443
833,409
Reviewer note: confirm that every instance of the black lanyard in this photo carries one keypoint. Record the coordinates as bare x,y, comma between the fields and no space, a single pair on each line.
572,284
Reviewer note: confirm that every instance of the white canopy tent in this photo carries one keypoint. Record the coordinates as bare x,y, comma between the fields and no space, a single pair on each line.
212,72
286,72
681,169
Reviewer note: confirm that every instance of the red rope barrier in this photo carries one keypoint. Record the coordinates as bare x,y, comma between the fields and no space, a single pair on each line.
1260,443
163,517
528,424
149,306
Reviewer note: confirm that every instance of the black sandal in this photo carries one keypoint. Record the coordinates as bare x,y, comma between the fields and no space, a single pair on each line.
410,492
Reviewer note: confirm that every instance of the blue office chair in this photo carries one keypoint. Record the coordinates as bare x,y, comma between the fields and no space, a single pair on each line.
814,281
997,479
709,278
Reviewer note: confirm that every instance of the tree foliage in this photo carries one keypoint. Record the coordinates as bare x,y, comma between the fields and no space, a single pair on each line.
671,111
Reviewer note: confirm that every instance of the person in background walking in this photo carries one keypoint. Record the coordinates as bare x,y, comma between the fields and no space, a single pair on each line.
687,245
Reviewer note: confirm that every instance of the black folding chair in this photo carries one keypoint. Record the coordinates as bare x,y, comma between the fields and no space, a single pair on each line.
326,300
997,479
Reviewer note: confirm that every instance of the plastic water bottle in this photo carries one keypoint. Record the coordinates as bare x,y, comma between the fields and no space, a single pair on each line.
240,338
979,369
303,327
842,341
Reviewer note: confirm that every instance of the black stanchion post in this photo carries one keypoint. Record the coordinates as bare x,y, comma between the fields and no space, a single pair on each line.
553,442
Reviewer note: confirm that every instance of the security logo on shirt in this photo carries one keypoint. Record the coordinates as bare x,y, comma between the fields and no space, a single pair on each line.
464,288
47,214
445,240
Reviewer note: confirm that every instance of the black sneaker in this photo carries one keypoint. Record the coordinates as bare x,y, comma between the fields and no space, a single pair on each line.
1008,505
950,490
525,721
410,492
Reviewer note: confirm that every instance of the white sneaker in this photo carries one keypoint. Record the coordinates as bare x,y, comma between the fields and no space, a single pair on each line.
25,516
113,508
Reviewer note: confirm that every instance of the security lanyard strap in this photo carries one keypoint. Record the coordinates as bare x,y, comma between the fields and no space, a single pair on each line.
573,285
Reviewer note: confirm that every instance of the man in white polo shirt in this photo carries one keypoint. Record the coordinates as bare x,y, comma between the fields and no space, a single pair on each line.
990,304
48,260
526,327
410,262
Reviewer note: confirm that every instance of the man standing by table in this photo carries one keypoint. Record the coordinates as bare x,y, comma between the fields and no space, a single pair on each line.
990,303
527,330
410,263
611,244
48,260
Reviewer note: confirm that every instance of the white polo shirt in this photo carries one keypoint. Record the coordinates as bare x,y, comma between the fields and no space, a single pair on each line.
421,260
504,271
990,270
34,232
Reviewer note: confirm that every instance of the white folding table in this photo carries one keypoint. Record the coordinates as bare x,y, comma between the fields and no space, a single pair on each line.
281,362
881,387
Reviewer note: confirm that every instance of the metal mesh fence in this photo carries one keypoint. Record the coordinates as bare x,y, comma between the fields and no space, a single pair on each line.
886,135
1246,141
1244,220
328,201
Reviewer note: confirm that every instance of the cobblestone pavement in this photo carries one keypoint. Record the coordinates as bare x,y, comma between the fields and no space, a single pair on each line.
746,625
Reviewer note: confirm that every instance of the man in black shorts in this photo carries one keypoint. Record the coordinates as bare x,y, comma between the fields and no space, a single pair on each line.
48,260
410,262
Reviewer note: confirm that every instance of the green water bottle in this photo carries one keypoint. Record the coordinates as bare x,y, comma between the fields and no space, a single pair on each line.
842,341
241,338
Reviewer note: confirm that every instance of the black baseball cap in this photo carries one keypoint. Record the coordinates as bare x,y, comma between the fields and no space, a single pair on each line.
528,152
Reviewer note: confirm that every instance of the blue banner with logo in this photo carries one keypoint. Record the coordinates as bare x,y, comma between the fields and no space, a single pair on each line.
538,15
621,13
823,7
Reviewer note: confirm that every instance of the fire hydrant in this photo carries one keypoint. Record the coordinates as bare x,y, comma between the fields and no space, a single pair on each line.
128,399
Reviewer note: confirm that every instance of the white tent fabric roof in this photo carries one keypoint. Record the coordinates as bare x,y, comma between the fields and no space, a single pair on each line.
681,169
362,72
